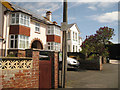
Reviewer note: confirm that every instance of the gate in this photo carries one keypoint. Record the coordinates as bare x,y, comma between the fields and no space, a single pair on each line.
45,65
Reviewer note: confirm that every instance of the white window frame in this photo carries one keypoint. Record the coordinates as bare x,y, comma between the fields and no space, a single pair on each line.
14,40
26,21
53,30
26,41
37,27
53,46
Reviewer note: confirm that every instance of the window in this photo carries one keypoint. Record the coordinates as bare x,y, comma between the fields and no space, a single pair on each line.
73,48
20,18
14,41
76,36
68,48
37,27
68,34
53,30
53,46
73,36
19,41
76,48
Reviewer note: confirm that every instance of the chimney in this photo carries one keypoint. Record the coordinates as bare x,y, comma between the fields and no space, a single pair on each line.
55,22
49,15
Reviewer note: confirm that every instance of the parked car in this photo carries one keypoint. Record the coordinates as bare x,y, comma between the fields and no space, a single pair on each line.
71,62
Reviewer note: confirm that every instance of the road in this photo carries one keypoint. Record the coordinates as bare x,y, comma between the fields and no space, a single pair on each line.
107,78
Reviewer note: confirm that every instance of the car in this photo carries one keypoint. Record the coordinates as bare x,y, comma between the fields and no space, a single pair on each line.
71,62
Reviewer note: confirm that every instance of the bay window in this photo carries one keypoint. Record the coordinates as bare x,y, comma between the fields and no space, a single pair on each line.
20,19
19,42
53,46
53,30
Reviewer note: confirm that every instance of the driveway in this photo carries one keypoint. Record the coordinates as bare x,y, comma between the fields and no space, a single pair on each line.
107,78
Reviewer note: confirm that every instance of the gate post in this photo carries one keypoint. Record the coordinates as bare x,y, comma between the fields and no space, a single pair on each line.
55,68
34,53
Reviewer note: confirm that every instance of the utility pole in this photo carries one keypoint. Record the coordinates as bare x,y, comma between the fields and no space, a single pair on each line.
64,45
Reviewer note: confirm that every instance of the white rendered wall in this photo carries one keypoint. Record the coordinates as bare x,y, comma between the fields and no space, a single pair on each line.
41,36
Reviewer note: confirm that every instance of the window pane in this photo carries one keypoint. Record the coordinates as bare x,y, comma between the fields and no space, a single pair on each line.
21,15
12,36
21,20
48,47
51,47
51,43
13,20
11,43
23,44
23,37
48,31
27,44
16,36
24,21
13,15
24,16
20,43
16,44
17,15
17,20
48,43
28,17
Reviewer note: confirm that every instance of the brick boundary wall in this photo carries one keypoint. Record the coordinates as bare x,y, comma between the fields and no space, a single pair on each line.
22,78
28,78
92,64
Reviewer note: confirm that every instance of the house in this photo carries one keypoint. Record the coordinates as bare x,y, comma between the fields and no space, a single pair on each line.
74,40
23,30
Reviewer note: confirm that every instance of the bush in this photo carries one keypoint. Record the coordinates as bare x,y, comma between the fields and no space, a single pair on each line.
11,55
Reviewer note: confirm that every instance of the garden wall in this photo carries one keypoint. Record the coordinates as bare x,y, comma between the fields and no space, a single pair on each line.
23,72
95,64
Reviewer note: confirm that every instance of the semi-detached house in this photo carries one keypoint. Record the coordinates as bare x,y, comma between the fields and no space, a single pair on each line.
21,29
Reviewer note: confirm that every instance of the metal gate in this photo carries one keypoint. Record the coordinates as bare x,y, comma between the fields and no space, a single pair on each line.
45,73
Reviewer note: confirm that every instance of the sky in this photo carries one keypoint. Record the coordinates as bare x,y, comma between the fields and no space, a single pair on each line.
89,16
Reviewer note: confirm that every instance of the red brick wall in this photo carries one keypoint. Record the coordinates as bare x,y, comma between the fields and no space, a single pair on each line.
18,53
19,29
27,78
22,78
53,38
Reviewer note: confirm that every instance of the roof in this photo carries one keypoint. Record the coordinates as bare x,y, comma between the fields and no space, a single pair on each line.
14,8
70,25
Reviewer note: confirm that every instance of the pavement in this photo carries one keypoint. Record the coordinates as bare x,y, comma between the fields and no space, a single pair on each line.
107,78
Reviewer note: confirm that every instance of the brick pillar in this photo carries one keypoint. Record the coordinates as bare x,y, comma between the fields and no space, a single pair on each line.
35,70
100,62
35,67
54,78
56,70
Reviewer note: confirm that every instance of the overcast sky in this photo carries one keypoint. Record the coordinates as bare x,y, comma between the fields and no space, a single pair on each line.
89,16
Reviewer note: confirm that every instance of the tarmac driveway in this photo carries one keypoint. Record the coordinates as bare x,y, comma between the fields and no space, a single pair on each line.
107,78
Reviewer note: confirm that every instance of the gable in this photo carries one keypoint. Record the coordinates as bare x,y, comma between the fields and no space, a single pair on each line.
74,27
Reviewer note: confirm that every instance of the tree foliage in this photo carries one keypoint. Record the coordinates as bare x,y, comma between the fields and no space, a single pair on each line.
96,43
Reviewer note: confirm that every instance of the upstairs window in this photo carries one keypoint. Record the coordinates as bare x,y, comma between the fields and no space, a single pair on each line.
53,30
37,27
20,19
68,35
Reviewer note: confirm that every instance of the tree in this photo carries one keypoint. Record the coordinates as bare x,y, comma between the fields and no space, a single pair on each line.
96,43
